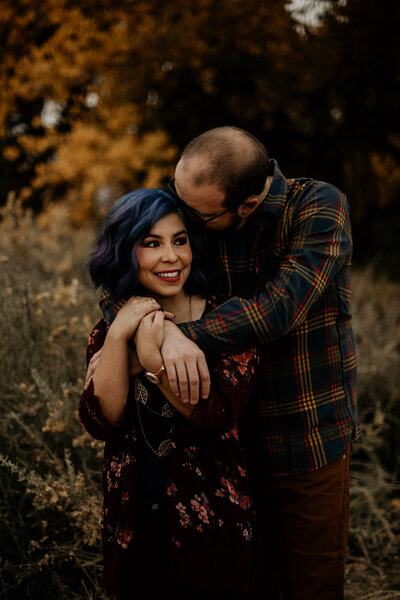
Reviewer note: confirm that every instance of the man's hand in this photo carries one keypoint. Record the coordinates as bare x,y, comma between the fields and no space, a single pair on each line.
186,365
92,367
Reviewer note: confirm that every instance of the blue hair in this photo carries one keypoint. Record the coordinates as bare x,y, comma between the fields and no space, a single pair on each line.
113,264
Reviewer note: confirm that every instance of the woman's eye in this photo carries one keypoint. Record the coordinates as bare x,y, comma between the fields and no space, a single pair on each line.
151,244
181,241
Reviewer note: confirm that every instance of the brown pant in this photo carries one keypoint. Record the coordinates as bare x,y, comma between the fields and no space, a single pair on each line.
302,533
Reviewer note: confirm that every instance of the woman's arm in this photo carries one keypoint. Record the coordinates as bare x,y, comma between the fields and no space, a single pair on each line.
90,410
111,377
90,413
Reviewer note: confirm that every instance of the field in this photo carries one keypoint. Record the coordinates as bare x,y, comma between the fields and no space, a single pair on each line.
50,468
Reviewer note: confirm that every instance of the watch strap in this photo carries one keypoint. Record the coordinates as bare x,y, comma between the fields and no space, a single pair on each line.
155,377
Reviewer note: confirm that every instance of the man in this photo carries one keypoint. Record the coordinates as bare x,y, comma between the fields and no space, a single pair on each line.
281,249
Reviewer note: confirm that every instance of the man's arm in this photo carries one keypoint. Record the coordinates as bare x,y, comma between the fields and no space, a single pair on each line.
320,243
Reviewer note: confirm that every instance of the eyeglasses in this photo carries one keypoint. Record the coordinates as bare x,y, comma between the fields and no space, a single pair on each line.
192,212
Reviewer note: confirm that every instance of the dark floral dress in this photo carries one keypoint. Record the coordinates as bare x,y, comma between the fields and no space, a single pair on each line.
177,508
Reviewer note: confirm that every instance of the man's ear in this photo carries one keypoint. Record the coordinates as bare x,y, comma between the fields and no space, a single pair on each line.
248,206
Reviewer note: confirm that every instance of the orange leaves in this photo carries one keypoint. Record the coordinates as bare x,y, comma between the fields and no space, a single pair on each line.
100,96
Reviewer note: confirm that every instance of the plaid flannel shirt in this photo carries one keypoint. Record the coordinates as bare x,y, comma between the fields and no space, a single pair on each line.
287,273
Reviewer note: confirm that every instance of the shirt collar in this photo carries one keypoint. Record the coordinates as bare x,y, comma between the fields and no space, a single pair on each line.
275,200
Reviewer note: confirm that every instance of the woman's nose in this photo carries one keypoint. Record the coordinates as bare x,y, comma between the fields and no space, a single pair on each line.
169,254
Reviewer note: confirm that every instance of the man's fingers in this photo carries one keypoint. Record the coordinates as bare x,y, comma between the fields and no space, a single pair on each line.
92,366
96,356
183,383
90,371
204,375
172,377
194,389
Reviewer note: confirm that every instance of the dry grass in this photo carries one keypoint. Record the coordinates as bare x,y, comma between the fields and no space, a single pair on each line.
374,562
50,490
50,486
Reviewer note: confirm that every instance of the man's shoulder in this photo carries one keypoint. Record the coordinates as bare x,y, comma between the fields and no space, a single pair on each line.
305,189
296,184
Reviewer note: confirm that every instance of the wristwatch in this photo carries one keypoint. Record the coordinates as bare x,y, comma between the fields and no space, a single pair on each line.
155,377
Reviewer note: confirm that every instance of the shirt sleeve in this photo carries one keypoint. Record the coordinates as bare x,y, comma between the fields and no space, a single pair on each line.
232,378
319,245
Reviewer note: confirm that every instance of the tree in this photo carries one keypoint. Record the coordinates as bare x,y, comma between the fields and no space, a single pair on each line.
100,96
356,89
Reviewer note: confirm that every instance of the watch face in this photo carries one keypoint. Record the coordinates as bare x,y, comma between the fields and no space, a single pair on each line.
151,377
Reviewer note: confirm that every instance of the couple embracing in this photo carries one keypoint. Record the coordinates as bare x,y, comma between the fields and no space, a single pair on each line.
222,377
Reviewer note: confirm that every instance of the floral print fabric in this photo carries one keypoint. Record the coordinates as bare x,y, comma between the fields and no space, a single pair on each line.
207,499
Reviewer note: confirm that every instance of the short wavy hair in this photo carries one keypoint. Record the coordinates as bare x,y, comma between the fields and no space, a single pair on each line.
113,264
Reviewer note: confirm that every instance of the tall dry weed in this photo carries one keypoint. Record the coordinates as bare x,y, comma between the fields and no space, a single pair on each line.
50,469
375,488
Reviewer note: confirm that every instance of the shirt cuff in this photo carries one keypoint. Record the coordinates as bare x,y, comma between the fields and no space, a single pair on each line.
189,330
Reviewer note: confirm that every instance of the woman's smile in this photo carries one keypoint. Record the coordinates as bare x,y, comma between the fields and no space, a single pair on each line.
169,276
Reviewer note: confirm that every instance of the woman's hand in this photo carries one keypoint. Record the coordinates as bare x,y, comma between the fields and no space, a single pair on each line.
149,339
130,315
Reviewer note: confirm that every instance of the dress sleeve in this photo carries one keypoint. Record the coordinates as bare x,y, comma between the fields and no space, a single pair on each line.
232,378
90,413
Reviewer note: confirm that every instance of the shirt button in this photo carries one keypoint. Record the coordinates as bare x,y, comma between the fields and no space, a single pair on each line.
155,507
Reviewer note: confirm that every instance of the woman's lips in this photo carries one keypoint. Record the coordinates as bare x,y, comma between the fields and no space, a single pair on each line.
169,276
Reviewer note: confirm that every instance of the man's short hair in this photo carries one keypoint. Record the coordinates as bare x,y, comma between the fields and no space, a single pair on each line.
234,160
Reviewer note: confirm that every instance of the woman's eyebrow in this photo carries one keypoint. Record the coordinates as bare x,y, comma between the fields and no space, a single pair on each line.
154,235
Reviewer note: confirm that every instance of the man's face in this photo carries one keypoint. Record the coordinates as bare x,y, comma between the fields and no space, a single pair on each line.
206,202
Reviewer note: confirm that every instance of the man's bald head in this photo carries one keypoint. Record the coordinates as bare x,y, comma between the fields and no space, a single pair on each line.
231,159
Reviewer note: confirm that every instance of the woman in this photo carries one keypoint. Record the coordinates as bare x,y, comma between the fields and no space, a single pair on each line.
177,513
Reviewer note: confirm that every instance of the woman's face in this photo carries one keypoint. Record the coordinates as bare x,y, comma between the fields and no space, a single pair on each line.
164,257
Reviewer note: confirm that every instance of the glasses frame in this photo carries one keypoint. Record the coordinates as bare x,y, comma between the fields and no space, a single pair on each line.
192,212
